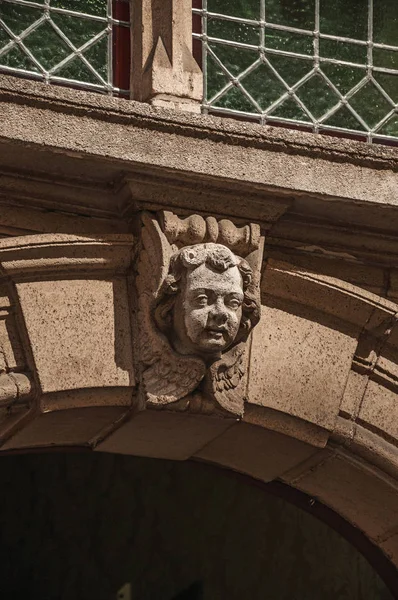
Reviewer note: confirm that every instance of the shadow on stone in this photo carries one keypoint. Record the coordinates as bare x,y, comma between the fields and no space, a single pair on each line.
194,592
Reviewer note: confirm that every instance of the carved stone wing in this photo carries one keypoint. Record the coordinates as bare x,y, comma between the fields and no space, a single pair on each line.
167,376
225,381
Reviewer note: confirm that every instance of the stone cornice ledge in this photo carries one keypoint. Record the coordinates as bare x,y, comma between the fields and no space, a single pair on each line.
82,153
99,107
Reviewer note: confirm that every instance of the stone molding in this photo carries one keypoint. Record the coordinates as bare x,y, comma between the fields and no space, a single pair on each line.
45,256
104,108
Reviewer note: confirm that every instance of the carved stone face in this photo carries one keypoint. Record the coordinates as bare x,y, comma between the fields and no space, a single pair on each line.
208,311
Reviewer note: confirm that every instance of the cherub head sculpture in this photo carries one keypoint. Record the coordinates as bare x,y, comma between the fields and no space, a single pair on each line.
207,304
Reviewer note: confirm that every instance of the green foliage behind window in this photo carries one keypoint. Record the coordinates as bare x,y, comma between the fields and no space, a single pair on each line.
275,68
67,42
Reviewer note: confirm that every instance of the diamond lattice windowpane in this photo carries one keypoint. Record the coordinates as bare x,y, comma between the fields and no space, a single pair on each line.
17,59
53,34
295,13
4,38
385,21
77,30
289,109
216,78
345,119
18,18
385,58
46,46
78,71
263,86
290,69
236,60
344,18
344,78
370,104
97,57
390,128
245,9
317,96
389,83
238,32
343,51
91,7
236,100
297,70
288,41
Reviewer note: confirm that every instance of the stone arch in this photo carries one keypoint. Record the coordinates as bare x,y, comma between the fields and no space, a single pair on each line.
319,405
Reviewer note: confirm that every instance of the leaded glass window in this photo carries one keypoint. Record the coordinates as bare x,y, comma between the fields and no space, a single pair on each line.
324,65
72,42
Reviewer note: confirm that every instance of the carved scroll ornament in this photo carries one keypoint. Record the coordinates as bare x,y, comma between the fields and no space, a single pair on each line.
198,300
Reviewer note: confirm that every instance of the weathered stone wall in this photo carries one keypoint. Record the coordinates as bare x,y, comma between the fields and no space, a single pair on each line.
82,526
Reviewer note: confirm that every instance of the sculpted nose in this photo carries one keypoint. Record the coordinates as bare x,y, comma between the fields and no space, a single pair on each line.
219,313
220,318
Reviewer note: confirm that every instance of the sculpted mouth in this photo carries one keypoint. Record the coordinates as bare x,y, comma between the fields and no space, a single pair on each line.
217,333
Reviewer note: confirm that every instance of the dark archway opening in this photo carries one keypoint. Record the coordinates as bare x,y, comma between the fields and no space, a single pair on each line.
97,526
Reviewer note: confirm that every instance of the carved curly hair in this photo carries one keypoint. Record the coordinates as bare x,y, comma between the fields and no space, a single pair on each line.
218,258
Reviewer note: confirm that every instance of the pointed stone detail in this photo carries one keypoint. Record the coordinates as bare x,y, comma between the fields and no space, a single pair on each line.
164,71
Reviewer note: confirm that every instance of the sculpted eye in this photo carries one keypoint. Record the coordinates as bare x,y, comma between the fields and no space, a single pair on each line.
201,300
234,303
